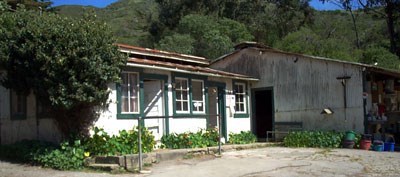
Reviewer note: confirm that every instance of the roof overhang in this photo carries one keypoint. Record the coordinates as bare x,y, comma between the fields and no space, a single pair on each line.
188,69
262,48
162,54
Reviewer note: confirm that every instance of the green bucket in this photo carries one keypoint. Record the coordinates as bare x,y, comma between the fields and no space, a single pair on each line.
350,135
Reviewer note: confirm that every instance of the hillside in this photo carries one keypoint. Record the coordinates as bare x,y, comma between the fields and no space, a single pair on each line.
197,29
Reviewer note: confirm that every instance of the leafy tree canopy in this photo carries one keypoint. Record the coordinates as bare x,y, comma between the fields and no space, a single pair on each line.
64,61
205,36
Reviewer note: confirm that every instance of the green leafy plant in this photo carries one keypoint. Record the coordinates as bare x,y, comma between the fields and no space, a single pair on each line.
70,155
66,62
25,150
126,142
202,138
67,157
319,139
244,137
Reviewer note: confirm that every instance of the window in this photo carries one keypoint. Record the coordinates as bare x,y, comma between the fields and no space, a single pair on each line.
198,96
42,108
240,97
129,93
18,105
182,95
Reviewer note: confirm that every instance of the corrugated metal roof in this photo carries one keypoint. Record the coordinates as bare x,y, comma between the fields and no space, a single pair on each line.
188,69
162,54
260,47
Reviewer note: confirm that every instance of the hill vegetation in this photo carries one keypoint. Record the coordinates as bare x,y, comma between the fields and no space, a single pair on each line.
210,28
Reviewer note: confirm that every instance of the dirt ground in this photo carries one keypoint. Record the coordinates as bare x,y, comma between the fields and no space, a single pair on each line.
278,161
272,161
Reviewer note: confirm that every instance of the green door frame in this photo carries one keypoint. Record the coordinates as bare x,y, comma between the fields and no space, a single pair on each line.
221,104
164,78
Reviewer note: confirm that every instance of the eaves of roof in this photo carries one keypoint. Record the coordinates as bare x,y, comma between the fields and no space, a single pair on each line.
198,70
162,54
370,68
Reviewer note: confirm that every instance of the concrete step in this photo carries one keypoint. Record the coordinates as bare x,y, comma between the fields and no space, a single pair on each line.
105,167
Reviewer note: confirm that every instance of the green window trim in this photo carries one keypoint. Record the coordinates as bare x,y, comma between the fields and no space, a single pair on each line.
244,114
120,114
19,115
190,78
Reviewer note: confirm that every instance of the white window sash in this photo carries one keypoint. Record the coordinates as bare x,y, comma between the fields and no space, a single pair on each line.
243,102
129,96
182,90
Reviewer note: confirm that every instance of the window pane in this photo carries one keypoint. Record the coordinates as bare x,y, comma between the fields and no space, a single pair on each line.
178,84
178,95
241,107
178,106
129,92
197,91
237,107
185,106
124,104
134,105
185,95
18,104
184,84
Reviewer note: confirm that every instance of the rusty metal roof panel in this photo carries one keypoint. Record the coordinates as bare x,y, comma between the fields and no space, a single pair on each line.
190,68
162,54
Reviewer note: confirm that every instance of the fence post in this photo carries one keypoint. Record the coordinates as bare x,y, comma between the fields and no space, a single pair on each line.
140,144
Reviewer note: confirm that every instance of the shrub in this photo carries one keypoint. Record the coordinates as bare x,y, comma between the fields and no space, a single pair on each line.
319,139
69,156
66,158
202,138
244,137
24,151
126,142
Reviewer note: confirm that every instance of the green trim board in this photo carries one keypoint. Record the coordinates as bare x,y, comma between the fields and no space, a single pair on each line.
119,95
246,113
189,77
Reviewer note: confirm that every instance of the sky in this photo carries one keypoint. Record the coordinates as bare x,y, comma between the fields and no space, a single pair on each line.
103,3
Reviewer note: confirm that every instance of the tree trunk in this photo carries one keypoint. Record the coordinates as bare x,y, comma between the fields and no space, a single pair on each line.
390,25
355,27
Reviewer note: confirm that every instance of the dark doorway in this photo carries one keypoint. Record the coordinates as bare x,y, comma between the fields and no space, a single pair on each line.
263,112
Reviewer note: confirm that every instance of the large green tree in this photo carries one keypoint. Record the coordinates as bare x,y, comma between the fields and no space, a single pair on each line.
30,4
65,62
390,11
205,36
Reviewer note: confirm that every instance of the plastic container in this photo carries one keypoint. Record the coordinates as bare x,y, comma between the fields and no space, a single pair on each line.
350,136
365,144
348,144
389,146
378,146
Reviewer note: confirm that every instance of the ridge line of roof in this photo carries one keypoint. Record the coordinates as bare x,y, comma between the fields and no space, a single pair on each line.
270,49
202,59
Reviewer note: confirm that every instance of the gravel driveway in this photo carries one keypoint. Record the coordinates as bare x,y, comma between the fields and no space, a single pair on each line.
272,161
